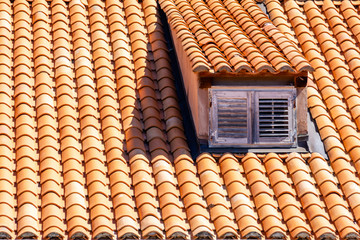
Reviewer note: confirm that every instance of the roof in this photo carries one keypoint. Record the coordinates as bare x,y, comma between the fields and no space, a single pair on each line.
232,36
92,143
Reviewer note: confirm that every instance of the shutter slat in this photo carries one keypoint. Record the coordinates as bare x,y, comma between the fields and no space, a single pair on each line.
273,117
232,117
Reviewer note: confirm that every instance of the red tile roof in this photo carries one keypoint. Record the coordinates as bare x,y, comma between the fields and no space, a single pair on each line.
231,36
91,137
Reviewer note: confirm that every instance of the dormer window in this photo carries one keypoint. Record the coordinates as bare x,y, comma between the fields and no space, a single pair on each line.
244,78
252,117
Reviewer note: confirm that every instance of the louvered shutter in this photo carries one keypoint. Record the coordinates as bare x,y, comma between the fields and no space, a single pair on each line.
274,116
230,115
252,117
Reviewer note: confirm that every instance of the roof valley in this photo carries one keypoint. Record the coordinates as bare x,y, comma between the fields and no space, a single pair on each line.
167,187
148,208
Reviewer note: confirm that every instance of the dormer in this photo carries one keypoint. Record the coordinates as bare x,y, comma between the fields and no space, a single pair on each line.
244,79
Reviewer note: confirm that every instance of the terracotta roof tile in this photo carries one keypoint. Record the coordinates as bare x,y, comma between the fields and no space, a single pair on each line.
51,192
239,195
7,202
309,197
232,36
286,195
267,208
211,184
91,137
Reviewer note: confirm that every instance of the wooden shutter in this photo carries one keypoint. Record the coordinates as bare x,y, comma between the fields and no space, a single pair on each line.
252,117
274,116
230,118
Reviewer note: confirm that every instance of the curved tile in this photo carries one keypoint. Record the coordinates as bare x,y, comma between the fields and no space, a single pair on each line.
332,54
149,111
27,212
106,86
69,125
286,196
239,195
351,16
337,207
269,216
90,139
205,40
7,203
215,197
339,28
327,88
223,41
309,197
279,18
41,55
257,36
290,51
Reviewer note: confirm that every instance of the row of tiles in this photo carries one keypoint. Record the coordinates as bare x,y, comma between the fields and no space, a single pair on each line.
245,196
87,117
115,171
320,2
328,36
231,36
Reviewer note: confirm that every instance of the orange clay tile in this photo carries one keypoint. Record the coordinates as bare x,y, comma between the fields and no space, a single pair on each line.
337,207
347,44
309,196
243,206
279,18
91,130
325,82
351,17
52,222
71,157
231,37
97,185
333,56
224,42
144,190
267,208
163,83
7,180
215,197
286,196
113,145
27,188
290,51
